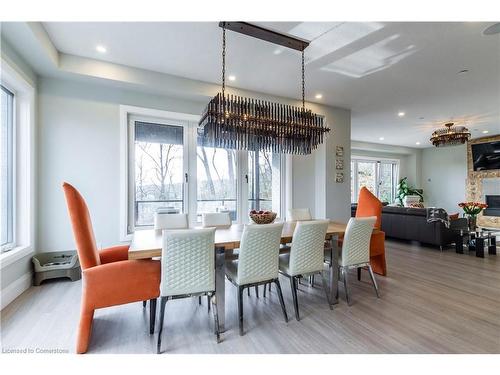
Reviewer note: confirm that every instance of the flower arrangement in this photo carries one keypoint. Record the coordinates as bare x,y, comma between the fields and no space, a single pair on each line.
472,208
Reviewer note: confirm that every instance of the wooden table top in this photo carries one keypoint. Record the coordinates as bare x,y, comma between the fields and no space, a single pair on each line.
148,243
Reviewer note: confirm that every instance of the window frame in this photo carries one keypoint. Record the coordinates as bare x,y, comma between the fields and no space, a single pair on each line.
367,159
24,197
12,173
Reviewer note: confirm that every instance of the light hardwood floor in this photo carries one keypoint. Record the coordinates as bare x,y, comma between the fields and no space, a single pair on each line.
431,302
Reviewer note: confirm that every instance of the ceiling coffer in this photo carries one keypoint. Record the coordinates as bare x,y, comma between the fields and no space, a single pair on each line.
235,122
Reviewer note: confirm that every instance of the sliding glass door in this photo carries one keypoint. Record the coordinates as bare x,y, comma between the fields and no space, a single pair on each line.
157,170
169,171
216,171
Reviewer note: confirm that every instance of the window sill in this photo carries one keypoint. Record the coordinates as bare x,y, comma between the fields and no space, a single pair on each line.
11,256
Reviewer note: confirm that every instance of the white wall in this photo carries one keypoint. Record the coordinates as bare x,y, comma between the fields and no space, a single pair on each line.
79,142
444,174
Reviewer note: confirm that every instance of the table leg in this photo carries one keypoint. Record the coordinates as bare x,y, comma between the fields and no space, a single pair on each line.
480,247
334,270
220,286
459,244
492,248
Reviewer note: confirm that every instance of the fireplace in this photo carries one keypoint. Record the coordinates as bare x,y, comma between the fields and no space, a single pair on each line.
493,202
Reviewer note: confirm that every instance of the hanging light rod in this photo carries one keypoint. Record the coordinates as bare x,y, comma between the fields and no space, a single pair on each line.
266,34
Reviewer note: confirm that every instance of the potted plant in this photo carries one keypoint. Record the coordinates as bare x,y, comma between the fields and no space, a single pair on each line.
403,189
471,210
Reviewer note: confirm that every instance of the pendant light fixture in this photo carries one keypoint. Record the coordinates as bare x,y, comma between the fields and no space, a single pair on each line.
235,122
450,135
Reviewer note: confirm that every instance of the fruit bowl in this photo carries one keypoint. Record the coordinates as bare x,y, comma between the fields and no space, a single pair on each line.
262,217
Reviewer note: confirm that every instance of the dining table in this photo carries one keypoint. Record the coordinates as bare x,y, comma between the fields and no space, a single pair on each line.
147,243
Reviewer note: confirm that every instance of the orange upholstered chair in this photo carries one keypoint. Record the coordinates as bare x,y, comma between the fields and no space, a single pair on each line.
109,278
369,205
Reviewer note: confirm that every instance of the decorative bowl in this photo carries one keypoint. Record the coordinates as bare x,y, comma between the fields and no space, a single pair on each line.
263,218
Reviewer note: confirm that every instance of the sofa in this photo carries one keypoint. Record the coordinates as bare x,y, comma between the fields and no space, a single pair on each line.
407,223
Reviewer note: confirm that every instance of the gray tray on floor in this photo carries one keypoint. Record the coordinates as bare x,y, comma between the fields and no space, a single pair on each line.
56,264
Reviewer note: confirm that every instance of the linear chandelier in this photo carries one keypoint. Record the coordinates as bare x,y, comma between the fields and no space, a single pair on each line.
450,136
236,122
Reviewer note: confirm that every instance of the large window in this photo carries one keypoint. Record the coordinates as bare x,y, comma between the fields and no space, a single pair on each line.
264,179
169,171
158,156
379,176
216,173
7,170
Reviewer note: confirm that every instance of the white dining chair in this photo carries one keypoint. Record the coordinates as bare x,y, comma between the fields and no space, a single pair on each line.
356,250
216,220
305,257
187,269
170,221
299,214
257,262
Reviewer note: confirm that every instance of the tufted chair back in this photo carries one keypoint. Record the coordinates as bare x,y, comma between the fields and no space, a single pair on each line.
356,245
216,220
82,227
259,253
296,214
187,262
170,221
307,250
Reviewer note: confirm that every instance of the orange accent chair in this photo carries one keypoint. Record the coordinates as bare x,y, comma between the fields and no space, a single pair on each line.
369,205
109,278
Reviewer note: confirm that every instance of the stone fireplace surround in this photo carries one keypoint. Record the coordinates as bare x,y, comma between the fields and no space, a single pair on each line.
482,183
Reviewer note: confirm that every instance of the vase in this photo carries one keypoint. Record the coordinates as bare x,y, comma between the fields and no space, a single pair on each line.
472,223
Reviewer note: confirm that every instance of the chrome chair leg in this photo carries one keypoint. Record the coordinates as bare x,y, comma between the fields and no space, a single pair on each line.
373,280
248,292
257,291
265,287
152,315
199,300
359,273
163,302
216,317
346,288
325,287
293,286
144,303
240,309
282,301
208,303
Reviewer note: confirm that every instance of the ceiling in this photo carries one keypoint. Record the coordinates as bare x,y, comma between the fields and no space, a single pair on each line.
376,69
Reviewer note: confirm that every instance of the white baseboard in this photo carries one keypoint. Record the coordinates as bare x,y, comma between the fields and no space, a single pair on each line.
15,289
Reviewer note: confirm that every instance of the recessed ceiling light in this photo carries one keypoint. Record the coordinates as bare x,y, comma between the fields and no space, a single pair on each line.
231,78
492,30
101,49
318,96
417,143
485,132
401,114
381,138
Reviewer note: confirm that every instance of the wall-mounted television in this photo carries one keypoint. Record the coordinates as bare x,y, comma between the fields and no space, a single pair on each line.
486,156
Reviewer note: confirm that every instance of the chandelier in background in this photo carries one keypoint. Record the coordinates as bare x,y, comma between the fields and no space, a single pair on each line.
235,122
450,135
